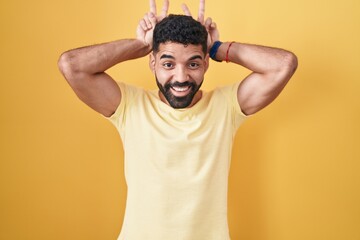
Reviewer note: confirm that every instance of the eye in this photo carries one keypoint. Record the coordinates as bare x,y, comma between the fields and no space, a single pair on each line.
168,65
194,65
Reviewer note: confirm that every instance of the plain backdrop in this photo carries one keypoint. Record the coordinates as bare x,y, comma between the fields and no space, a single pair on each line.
295,166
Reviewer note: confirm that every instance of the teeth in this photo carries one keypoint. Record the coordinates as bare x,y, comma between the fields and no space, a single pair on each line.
180,89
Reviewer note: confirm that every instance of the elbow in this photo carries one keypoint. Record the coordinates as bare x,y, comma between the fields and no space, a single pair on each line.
64,64
67,66
290,63
286,68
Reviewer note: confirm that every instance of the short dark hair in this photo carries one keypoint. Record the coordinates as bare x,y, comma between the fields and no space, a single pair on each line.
180,29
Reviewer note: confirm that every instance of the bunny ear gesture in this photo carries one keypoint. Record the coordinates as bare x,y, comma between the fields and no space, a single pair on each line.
213,33
164,10
145,29
201,13
147,24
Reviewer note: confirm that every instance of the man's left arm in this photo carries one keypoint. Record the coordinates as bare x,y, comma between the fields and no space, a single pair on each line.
271,69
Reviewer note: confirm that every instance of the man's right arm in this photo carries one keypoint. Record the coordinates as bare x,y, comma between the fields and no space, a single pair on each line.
84,69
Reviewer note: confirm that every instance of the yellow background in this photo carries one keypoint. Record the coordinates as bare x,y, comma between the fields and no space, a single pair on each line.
295,168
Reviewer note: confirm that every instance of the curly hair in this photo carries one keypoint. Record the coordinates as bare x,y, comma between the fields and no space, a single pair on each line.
180,29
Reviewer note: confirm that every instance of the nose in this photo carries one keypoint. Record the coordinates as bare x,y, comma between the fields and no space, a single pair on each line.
181,74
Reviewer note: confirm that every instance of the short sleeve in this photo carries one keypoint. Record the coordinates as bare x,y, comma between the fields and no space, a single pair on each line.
238,117
118,117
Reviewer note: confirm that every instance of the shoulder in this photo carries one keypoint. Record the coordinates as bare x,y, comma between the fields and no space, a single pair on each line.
227,94
129,95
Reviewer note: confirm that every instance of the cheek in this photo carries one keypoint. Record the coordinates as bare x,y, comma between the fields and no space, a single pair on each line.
163,76
198,77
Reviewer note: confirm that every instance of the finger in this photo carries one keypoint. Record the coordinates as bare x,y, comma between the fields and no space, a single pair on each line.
147,21
164,9
153,6
208,23
201,13
143,25
186,10
152,19
213,25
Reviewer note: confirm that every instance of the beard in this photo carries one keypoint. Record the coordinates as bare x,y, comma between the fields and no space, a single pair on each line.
178,102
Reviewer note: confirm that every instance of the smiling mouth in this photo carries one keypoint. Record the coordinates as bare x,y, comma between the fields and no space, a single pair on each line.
180,91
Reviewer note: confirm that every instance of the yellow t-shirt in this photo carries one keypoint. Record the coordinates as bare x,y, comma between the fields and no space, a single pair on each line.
176,164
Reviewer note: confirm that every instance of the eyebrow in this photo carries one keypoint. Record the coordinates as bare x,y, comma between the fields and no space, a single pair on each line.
166,56
195,57
172,57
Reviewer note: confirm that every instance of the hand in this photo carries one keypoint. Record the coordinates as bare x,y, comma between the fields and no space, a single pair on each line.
211,28
145,29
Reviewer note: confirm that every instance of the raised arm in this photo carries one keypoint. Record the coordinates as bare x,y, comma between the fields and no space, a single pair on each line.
84,68
271,67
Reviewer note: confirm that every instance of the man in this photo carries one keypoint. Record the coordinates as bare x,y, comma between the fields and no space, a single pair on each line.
177,140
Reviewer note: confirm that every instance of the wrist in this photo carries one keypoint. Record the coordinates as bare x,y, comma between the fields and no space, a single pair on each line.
214,49
144,47
222,51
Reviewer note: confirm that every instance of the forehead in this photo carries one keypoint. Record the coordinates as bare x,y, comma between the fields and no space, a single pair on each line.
179,50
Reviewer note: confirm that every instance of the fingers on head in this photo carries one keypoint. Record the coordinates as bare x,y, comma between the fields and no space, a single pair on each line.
153,6
208,23
165,8
148,21
152,18
186,10
213,25
201,11
143,24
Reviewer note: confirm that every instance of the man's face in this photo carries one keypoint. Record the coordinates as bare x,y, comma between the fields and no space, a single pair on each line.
179,71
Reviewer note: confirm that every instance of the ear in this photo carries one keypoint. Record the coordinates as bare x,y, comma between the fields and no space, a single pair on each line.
206,62
152,62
